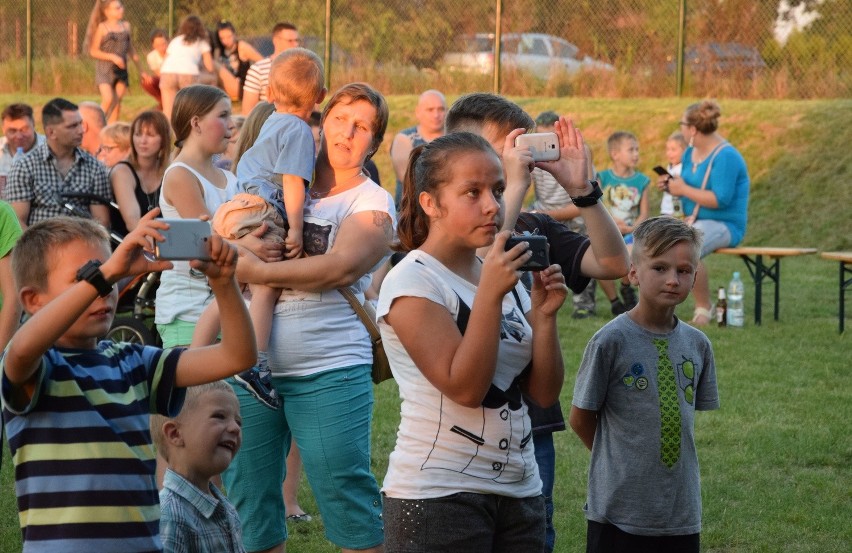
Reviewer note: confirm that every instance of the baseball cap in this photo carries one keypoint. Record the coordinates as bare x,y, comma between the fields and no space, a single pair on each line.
547,118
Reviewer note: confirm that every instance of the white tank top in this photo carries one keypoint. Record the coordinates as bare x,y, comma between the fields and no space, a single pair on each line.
182,295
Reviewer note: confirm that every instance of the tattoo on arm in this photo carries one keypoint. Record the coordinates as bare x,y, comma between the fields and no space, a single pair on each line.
383,221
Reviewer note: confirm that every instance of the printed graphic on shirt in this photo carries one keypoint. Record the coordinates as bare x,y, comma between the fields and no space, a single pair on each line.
621,200
486,450
316,239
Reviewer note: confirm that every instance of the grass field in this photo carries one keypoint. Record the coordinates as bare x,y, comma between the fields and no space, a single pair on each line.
776,458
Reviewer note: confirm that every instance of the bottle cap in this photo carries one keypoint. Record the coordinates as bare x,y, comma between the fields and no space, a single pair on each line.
20,150
736,274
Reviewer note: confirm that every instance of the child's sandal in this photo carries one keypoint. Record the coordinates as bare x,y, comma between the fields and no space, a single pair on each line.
701,316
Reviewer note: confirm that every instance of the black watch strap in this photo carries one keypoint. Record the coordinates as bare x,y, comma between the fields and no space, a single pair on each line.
591,198
91,273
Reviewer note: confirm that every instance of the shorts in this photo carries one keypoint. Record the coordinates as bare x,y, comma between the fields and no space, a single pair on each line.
716,235
465,522
329,414
603,538
175,81
176,333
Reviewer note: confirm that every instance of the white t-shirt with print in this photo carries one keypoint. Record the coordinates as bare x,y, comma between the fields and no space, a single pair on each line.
443,447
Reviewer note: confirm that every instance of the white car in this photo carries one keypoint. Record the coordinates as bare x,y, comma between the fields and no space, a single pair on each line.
537,53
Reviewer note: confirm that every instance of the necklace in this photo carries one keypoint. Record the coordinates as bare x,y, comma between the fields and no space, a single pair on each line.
317,194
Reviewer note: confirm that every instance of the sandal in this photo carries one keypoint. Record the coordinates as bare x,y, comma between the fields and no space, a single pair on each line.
304,517
701,316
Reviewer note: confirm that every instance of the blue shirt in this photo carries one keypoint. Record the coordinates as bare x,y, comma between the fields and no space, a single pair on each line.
729,181
196,522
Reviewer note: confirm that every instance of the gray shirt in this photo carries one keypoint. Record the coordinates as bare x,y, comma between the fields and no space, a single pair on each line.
629,486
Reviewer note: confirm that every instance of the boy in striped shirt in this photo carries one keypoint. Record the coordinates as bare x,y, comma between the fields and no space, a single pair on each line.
77,409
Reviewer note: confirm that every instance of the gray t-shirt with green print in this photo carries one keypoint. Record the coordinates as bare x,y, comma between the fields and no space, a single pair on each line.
642,478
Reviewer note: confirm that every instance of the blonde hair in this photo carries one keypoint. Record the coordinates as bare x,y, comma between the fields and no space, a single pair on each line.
96,17
296,78
190,403
119,133
704,116
655,236
678,137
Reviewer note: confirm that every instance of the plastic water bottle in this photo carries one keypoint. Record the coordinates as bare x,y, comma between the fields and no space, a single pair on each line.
19,153
736,290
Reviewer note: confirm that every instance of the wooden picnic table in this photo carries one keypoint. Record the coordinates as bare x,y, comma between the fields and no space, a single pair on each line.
753,258
845,259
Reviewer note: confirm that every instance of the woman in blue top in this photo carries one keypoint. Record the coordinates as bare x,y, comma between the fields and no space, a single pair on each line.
714,188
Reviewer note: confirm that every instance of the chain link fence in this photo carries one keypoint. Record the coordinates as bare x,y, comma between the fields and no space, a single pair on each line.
601,48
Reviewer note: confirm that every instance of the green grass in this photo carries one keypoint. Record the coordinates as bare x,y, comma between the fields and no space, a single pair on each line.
776,458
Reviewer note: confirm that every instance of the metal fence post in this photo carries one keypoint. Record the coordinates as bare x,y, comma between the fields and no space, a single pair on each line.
327,50
681,40
171,19
498,44
29,65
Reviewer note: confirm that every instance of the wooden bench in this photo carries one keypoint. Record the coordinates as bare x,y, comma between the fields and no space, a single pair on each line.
845,259
753,258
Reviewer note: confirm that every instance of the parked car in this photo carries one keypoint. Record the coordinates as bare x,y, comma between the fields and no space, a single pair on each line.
538,53
721,57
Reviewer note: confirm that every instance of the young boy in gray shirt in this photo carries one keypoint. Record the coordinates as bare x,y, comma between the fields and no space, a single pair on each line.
642,378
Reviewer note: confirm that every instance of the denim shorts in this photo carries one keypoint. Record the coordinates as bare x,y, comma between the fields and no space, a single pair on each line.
464,522
176,333
716,235
329,415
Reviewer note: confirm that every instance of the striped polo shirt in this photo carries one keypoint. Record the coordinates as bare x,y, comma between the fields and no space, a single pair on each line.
84,462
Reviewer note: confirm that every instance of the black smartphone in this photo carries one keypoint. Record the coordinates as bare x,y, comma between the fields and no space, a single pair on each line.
539,248
662,172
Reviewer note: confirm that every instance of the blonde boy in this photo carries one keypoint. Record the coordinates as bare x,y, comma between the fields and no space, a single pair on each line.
278,167
199,444
78,409
625,195
643,376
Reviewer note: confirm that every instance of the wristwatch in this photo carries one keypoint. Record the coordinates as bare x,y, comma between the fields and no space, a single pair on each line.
91,273
591,198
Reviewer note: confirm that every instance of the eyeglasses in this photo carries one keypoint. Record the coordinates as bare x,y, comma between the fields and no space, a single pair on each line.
106,149
684,124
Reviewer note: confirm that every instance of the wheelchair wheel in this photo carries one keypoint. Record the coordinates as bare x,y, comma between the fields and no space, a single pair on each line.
132,330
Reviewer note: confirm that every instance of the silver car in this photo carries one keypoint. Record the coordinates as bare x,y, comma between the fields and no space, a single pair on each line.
538,53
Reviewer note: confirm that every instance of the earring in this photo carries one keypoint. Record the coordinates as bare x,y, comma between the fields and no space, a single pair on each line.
692,141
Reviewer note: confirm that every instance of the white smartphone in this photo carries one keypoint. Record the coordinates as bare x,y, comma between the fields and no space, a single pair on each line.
544,146
185,239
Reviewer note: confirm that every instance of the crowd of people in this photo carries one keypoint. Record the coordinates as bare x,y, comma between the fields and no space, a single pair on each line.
191,447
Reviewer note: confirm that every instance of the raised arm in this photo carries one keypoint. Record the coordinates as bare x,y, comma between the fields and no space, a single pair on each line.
362,240
607,257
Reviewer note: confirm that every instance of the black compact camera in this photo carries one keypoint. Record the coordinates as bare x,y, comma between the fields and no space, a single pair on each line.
539,248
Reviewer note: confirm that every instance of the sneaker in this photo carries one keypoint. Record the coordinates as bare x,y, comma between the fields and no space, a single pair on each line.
581,313
258,382
617,307
628,296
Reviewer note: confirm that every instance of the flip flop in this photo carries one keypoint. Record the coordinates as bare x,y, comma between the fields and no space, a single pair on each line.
304,517
701,316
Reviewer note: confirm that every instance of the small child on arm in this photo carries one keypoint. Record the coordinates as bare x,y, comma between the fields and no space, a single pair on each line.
625,195
643,376
277,168
199,444
77,408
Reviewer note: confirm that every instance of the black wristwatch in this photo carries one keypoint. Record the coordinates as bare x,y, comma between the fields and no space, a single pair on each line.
91,273
591,198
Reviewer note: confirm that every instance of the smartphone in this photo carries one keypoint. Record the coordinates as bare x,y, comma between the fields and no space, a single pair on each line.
662,172
544,146
539,248
185,239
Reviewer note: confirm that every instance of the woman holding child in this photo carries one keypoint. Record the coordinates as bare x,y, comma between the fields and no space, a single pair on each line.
714,188
319,352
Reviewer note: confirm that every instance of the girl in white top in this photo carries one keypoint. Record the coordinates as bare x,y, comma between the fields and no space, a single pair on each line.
193,187
464,458
184,56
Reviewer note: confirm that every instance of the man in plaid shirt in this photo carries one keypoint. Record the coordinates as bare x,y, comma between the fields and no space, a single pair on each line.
36,183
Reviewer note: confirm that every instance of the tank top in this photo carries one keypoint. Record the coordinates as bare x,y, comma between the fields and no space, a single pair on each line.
182,294
146,201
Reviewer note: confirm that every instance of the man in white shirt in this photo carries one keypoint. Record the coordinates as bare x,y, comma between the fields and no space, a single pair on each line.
284,36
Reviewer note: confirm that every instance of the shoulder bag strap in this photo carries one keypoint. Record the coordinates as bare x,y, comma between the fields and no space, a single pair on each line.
366,318
718,149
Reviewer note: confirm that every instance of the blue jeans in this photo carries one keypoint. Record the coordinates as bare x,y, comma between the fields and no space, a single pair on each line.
545,456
